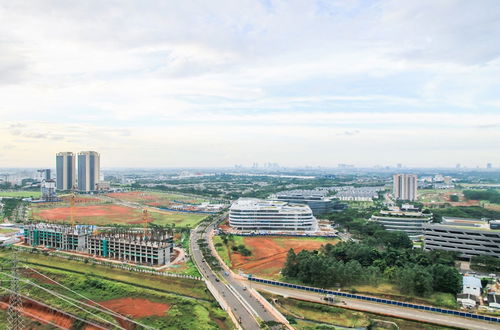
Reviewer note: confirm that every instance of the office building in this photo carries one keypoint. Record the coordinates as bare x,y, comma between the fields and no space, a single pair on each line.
44,174
405,187
468,237
411,222
317,200
256,214
88,171
65,171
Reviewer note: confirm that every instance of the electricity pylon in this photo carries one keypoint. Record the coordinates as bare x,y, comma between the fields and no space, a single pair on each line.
15,301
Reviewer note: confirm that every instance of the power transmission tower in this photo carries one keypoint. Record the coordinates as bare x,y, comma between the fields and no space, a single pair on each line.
15,301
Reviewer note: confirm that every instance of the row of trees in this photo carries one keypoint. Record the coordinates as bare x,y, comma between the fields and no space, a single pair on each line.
415,272
491,195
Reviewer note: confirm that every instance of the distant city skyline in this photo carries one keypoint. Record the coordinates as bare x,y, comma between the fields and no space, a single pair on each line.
297,83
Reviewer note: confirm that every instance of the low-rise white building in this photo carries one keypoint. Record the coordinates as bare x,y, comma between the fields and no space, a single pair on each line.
472,285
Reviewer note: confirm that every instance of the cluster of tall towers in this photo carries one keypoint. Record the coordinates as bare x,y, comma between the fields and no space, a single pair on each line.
87,177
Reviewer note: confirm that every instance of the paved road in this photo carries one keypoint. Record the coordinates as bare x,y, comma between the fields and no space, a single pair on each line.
400,312
241,302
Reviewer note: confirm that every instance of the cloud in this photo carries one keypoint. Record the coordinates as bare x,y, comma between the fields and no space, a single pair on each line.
136,78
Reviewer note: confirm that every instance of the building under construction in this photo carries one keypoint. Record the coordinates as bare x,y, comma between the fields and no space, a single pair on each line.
151,247
143,246
70,238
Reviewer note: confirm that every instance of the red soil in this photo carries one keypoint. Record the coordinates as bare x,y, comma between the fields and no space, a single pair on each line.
109,212
136,307
269,253
33,310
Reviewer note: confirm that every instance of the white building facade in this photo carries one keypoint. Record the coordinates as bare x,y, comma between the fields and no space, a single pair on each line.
250,214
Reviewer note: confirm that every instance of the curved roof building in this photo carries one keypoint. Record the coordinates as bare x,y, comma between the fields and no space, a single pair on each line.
256,214
410,222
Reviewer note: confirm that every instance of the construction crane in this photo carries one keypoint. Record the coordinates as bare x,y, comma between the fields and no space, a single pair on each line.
145,220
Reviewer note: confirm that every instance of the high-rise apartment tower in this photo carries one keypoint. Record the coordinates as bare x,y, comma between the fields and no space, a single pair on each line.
65,170
89,170
405,187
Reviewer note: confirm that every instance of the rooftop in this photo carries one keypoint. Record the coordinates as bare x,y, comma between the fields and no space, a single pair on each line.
472,281
260,204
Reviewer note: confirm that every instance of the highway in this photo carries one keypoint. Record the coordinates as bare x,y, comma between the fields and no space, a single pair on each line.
247,306
399,312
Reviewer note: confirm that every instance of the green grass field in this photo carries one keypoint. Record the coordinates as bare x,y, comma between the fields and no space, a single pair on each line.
178,218
19,193
308,315
180,286
183,313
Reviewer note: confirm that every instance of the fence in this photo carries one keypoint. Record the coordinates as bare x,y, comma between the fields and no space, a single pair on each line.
279,234
111,264
378,300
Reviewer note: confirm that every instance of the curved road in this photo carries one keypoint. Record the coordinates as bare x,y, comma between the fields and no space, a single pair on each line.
231,292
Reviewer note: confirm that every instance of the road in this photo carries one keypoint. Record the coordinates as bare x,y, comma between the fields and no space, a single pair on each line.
399,312
246,305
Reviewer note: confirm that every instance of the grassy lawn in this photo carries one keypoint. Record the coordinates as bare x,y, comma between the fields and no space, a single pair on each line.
178,218
180,286
182,312
390,291
310,315
8,230
222,250
19,193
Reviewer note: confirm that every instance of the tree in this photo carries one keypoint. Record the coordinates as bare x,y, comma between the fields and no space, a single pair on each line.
446,279
290,269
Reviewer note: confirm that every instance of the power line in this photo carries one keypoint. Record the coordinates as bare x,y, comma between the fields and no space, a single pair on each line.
15,302
94,302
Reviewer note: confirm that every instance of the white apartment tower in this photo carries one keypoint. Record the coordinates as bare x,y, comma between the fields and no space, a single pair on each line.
65,170
89,169
405,187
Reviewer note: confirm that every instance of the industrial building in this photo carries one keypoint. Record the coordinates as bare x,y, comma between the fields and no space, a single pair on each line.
257,214
65,170
149,247
411,222
317,200
405,187
468,237
89,167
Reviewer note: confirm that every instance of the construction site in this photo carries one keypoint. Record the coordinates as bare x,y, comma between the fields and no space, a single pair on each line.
151,247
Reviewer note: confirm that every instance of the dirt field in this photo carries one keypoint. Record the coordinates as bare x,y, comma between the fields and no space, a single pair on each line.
269,253
136,307
91,214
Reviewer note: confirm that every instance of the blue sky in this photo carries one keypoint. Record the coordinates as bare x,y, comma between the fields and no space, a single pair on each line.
217,83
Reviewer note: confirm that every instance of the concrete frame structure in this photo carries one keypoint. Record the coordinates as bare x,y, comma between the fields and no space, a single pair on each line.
89,171
411,223
405,187
152,247
65,170
57,236
468,237
253,214
132,250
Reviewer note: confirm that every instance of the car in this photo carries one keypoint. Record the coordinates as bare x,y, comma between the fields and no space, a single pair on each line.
244,288
217,280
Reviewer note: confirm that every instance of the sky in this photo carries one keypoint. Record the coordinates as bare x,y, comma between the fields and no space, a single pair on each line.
217,83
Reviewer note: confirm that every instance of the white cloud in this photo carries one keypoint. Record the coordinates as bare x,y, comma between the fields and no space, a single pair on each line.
181,77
